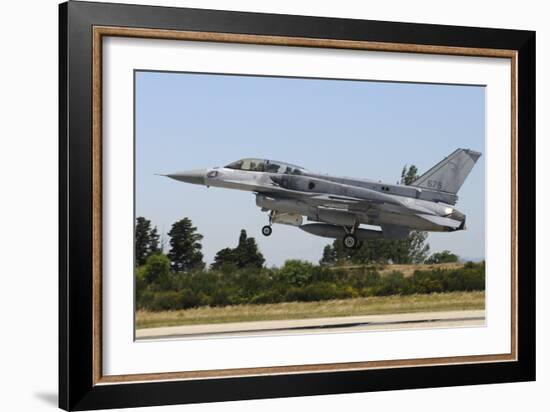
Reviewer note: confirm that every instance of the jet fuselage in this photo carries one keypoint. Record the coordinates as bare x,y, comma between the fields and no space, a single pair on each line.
341,204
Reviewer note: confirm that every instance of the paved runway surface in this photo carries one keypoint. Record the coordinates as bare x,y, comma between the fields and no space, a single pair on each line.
422,320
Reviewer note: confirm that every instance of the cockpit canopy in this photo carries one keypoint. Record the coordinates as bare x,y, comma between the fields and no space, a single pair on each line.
264,165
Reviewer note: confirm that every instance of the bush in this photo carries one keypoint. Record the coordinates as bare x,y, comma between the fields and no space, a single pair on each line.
392,284
144,299
188,299
473,280
296,281
166,300
297,272
442,257
319,291
269,296
157,271
427,282
366,279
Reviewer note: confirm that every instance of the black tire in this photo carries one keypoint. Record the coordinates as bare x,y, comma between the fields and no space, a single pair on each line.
349,241
266,230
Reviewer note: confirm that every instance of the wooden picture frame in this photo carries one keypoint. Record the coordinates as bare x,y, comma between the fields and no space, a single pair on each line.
83,26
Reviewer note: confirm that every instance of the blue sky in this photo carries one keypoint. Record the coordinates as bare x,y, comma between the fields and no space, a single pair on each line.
341,127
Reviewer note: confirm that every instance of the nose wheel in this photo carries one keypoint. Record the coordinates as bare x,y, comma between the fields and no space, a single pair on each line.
266,230
350,241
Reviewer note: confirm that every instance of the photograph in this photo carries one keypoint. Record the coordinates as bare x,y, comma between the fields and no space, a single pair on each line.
262,205
272,205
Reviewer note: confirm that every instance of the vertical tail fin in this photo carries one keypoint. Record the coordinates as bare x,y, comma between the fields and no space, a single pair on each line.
450,173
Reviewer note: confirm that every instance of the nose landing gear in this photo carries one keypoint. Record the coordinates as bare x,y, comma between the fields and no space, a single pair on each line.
267,230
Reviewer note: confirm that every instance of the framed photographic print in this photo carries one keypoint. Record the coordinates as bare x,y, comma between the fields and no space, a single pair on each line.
257,205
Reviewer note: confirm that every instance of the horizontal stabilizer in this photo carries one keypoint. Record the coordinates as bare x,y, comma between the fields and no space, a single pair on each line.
443,221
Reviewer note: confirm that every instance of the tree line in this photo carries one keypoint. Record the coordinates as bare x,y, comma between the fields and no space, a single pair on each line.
185,252
179,278
160,289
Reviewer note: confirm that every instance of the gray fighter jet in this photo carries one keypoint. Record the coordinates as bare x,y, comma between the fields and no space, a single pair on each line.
339,205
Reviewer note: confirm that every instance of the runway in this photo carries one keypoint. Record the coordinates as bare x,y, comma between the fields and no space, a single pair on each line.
423,320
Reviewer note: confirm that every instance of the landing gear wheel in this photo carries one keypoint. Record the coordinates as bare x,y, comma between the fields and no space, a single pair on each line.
266,230
350,241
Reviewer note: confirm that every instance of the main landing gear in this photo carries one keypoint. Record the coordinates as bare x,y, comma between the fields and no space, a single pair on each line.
350,240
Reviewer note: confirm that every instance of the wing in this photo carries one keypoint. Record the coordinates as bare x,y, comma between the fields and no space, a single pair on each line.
322,200
318,199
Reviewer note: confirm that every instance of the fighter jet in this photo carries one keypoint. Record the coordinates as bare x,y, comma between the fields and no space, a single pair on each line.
338,206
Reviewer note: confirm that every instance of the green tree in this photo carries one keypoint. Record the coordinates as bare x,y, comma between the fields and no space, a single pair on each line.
297,272
330,255
416,248
185,247
143,228
147,240
224,257
157,270
154,241
442,257
409,174
246,254
413,249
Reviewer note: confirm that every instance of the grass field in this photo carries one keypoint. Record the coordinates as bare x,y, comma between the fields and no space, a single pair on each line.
407,269
306,310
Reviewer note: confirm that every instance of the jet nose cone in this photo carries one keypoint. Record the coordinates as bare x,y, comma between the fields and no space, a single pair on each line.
195,177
